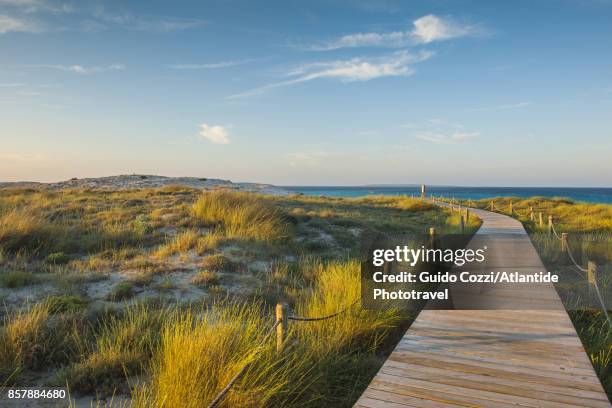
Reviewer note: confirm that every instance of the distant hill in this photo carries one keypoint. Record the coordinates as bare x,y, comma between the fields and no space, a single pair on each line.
135,181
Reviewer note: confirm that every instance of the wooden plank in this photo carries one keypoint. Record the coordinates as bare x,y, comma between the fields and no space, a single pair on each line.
512,345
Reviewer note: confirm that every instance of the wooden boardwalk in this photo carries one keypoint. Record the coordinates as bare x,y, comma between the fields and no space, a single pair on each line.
515,346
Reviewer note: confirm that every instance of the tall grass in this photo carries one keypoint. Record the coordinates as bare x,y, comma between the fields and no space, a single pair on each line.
23,230
33,338
241,215
124,345
324,362
200,353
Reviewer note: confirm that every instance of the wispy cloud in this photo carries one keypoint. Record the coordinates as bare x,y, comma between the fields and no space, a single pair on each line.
12,85
215,133
211,65
18,24
518,105
145,23
452,138
425,30
78,69
38,16
21,157
35,6
308,158
352,70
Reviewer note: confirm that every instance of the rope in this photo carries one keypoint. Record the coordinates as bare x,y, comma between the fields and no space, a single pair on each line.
569,252
235,378
315,319
601,302
555,231
521,215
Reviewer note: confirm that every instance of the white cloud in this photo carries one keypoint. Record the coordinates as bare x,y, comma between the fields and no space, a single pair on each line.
425,30
215,133
14,24
501,107
452,138
432,28
355,69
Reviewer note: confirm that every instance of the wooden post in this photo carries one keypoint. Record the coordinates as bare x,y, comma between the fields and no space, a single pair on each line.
531,214
462,224
467,215
541,220
511,208
432,236
282,312
422,191
550,225
591,276
492,205
563,241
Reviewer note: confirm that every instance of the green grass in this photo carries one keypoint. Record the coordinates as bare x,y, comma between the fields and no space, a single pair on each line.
18,279
121,291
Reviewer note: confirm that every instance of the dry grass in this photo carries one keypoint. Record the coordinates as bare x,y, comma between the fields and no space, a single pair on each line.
206,278
200,353
76,236
241,215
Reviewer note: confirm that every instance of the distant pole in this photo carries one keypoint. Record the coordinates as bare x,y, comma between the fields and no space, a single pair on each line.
511,208
467,215
462,224
550,225
531,214
422,191
282,312
491,205
563,241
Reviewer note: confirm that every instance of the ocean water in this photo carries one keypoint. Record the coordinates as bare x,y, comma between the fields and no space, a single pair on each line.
587,194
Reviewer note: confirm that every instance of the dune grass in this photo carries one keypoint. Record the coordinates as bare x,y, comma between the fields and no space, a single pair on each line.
126,340
567,215
241,215
323,362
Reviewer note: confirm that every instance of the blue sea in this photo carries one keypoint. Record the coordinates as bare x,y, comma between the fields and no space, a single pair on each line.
587,194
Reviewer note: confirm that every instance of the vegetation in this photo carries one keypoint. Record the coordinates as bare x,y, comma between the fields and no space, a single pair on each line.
129,291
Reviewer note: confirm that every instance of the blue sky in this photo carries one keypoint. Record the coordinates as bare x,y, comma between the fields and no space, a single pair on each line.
319,92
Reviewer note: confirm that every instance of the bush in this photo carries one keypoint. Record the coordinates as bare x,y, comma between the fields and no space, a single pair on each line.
57,258
218,262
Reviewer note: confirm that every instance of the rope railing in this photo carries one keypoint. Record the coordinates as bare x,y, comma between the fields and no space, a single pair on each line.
317,319
589,273
280,326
